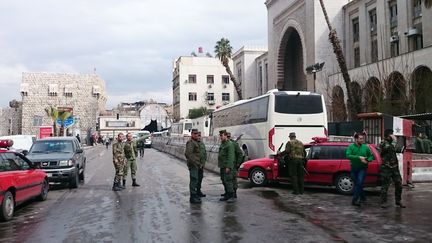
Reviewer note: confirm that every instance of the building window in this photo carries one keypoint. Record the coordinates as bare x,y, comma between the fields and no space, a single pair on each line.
416,42
37,121
373,21
260,80
52,89
393,14
210,79
394,49
356,29
210,96
357,57
225,97
239,72
417,9
266,76
225,79
374,50
192,96
192,79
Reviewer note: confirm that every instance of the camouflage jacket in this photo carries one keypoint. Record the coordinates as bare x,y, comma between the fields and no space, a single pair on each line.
193,153
118,151
294,149
388,154
203,154
239,157
226,157
130,150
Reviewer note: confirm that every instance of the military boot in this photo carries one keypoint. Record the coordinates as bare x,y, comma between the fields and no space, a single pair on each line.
200,194
384,205
194,199
123,185
134,183
235,194
225,197
116,187
231,198
400,204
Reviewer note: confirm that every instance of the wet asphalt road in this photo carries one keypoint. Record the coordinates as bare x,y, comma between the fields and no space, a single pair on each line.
159,211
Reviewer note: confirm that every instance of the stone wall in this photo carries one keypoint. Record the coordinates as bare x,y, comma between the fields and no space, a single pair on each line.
84,93
10,121
176,147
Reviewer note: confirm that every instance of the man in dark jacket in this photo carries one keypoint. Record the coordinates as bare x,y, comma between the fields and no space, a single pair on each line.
193,156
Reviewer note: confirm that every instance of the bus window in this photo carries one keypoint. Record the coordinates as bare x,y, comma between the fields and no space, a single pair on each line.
298,104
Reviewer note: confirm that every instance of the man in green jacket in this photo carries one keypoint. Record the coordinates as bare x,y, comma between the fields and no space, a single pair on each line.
203,160
131,153
359,155
226,161
238,161
193,156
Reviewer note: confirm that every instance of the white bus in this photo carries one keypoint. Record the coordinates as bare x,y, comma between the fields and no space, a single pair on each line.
182,128
266,121
202,124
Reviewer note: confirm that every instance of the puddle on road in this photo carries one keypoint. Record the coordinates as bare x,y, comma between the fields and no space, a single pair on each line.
269,194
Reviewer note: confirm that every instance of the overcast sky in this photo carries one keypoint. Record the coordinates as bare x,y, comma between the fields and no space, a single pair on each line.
132,43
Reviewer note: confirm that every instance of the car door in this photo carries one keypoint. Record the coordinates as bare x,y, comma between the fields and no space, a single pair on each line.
10,168
79,156
322,163
34,180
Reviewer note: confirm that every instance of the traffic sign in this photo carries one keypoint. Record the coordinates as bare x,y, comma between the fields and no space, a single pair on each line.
67,123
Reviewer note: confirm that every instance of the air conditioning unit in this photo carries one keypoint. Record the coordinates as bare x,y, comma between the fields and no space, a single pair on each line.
394,38
226,102
210,86
225,86
211,102
412,32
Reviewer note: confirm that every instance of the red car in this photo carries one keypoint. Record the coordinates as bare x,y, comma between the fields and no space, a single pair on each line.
19,180
326,165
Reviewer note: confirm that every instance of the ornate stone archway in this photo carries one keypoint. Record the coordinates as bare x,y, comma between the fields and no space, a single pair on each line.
339,112
396,98
372,95
422,90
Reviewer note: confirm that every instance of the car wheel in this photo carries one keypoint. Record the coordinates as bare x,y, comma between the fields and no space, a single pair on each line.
75,180
344,184
258,177
82,176
7,207
44,191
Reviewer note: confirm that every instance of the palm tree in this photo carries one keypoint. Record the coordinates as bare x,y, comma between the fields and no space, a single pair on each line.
353,107
63,115
53,113
223,50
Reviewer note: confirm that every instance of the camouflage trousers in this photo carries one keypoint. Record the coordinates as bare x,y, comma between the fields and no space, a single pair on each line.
193,180
235,182
227,180
296,172
388,175
132,164
118,166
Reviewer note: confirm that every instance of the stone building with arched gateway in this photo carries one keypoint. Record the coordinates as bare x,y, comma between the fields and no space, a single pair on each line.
387,45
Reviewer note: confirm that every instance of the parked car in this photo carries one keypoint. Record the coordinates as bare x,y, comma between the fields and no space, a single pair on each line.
326,164
21,143
147,135
62,158
20,180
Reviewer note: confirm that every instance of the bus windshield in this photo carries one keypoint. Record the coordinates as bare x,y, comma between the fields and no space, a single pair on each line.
298,104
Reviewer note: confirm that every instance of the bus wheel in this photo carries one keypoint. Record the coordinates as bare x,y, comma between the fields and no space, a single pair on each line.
258,177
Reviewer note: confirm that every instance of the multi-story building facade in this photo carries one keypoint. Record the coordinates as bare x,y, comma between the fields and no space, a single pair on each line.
83,94
110,126
386,45
10,119
248,72
199,81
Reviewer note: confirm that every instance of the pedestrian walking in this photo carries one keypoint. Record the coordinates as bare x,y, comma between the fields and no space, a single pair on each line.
78,138
226,163
119,161
295,156
193,156
131,153
107,142
203,160
140,147
239,157
359,155
389,170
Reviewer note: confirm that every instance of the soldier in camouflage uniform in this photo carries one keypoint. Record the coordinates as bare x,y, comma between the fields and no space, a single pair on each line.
193,156
238,161
389,170
203,160
119,161
226,163
295,154
131,153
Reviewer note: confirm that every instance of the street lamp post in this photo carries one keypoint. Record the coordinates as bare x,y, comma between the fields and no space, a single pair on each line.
313,69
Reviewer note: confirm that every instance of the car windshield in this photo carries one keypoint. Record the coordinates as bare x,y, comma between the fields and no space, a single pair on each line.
51,146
